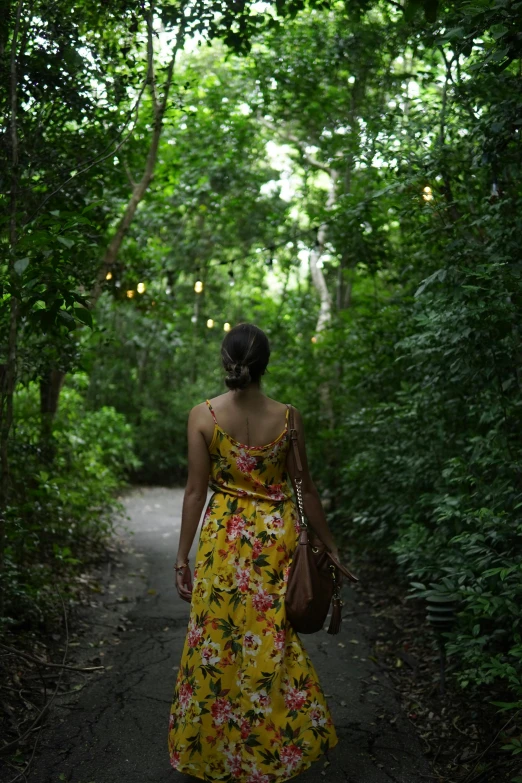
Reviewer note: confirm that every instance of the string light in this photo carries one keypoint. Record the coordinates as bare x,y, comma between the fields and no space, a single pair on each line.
141,288
210,323
198,286
314,339
130,293
427,195
108,276
231,275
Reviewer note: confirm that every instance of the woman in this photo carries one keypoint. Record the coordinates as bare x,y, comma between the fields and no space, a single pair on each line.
247,702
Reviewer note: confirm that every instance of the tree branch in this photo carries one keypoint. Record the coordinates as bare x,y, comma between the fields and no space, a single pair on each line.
141,187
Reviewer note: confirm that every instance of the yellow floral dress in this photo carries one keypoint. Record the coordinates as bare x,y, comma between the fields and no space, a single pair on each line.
247,702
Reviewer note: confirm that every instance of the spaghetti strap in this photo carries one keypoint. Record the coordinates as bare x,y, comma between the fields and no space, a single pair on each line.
212,411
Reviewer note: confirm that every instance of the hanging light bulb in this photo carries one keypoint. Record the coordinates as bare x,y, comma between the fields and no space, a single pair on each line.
108,276
198,286
141,288
130,293
226,326
194,319
427,195
314,339
210,323
231,275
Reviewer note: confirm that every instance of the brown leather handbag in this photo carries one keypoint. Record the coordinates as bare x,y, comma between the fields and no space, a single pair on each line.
314,579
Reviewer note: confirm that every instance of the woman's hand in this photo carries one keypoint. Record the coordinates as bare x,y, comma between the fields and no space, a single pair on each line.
184,584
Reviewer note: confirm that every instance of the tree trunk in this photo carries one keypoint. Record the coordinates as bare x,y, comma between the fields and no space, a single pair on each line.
319,282
8,374
50,387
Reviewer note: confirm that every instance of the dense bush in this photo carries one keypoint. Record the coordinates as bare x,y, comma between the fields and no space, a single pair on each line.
63,507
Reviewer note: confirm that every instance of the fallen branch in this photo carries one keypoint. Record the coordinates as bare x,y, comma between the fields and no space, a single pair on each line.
49,663
503,728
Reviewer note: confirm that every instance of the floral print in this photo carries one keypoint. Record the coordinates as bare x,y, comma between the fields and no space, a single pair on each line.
247,702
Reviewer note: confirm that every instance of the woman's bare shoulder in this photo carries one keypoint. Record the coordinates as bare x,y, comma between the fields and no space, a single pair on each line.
274,406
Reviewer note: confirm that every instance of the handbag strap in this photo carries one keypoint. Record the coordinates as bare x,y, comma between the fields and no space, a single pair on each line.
293,437
300,506
303,524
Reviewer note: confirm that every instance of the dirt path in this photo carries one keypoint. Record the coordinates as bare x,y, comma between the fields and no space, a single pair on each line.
116,730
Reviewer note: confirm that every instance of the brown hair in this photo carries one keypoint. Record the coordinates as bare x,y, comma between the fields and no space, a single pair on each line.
245,352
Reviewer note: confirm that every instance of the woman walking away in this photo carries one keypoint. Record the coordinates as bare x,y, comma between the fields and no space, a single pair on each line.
247,703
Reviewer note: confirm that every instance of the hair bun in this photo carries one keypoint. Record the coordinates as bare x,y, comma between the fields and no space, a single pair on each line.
244,353
238,376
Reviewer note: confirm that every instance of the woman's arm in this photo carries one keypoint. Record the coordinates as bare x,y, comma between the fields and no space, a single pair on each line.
195,496
313,508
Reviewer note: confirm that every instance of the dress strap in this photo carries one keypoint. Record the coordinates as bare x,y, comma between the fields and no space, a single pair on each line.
212,411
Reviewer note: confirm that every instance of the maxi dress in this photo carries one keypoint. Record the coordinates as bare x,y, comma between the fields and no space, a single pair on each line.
248,705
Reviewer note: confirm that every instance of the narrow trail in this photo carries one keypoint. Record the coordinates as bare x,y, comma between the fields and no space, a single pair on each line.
116,730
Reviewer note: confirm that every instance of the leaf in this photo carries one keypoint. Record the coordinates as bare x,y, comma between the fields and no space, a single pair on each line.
21,265
498,30
454,33
66,241
439,275
93,205
67,317
83,315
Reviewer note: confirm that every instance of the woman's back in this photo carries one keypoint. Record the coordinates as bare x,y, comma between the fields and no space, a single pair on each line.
251,418
254,471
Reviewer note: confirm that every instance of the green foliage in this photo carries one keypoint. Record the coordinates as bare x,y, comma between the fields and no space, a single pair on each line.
60,513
